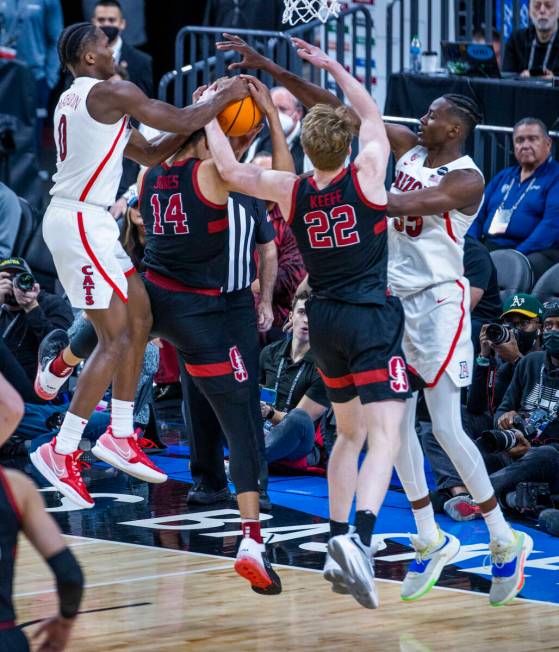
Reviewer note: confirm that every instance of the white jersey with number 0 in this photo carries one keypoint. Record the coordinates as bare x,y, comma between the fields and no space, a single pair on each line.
89,153
428,249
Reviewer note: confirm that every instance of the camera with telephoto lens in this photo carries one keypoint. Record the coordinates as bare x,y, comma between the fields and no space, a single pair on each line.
498,333
23,281
497,441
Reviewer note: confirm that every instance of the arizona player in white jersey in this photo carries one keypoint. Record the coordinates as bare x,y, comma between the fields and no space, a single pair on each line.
93,132
435,198
425,268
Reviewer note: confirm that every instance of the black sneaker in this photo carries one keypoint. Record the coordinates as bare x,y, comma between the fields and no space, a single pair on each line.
47,385
198,494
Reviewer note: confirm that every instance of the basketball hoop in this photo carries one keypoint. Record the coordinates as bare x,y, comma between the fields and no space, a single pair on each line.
306,10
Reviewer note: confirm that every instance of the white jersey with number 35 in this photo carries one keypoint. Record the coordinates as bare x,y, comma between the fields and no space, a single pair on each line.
428,249
89,153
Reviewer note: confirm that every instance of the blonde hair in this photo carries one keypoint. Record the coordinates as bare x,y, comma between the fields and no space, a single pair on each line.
326,136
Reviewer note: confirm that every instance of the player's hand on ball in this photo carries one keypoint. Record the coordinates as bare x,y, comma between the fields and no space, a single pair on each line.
311,53
236,88
197,95
260,94
251,58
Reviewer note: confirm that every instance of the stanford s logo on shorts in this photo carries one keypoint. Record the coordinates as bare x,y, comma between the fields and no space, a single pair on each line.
239,370
88,284
398,374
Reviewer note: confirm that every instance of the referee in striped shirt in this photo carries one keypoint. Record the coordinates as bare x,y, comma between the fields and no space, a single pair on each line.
250,231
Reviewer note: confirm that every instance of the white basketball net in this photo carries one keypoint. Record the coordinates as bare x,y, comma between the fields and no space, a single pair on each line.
306,10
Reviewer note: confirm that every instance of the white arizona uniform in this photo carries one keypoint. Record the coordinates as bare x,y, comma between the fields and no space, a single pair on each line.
78,229
426,270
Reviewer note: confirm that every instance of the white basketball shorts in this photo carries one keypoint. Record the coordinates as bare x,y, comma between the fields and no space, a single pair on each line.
437,335
89,259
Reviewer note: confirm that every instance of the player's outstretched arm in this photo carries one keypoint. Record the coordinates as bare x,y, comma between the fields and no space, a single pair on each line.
111,99
460,190
154,151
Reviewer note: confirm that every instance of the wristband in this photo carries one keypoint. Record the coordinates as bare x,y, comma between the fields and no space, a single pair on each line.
482,361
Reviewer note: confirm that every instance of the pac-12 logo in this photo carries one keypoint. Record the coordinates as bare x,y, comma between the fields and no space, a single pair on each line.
239,370
398,374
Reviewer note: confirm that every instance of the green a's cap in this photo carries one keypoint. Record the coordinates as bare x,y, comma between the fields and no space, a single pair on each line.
523,304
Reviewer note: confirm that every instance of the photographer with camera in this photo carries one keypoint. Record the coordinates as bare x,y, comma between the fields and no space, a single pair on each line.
27,315
502,345
293,396
527,436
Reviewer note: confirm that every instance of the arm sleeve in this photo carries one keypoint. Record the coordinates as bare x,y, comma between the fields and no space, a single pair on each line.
10,217
546,234
69,582
53,312
53,27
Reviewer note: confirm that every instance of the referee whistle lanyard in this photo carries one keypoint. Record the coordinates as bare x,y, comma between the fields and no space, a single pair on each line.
293,384
547,51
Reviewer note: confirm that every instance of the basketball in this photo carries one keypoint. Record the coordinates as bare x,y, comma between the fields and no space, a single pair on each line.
240,117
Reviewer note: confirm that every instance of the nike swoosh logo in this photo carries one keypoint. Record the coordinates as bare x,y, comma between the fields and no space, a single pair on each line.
441,300
127,455
59,471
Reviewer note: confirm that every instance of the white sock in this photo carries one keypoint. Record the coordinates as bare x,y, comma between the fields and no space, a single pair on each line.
497,526
68,439
122,418
426,525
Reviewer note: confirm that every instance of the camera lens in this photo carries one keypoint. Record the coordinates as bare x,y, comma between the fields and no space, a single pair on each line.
496,441
497,333
24,282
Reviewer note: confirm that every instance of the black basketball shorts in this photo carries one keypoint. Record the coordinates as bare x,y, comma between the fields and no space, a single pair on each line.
358,349
196,325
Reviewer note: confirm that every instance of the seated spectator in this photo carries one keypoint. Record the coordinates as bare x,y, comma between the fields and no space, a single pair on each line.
27,315
291,269
10,218
245,14
533,395
485,299
534,51
492,375
287,367
521,207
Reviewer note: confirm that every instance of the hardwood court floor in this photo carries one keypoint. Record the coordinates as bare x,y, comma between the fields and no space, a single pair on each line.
153,599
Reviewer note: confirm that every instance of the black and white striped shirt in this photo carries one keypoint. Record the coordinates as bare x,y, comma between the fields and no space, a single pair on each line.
249,225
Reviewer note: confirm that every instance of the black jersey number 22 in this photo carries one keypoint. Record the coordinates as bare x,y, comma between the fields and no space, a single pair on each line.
333,229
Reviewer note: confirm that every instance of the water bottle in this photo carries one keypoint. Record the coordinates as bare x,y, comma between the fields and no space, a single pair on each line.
415,55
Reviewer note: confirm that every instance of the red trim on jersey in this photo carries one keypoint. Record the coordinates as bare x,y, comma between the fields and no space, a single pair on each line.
294,200
10,495
377,207
8,624
454,341
167,283
209,370
369,377
216,226
94,260
199,192
337,178
380,227
448,224
131,271
104,162
338,382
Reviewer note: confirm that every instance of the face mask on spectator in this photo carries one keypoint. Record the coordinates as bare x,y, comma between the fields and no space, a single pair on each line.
111,32
287,122
551,343
525,340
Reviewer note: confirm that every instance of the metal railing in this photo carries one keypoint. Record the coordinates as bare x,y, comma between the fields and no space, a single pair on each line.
349,37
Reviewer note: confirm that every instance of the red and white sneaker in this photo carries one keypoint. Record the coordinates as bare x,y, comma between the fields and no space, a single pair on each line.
63,472
47,385
126,454
253,564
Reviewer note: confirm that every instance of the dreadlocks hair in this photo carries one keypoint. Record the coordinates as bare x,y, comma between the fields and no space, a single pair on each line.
72,42
465,109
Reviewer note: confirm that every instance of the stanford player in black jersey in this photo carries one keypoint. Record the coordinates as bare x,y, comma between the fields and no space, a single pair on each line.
184,207
338,216
21,509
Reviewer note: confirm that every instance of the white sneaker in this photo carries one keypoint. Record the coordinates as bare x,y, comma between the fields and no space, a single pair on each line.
253,564
356,563
333,573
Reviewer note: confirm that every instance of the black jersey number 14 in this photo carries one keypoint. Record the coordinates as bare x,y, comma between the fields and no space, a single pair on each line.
334,229
174,214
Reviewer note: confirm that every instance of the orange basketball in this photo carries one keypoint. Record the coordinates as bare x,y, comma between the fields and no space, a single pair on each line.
240,117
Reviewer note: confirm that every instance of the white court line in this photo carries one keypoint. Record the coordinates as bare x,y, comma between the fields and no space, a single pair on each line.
301,568
129,580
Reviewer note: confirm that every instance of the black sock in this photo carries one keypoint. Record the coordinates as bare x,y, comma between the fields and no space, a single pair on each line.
364,525
337,528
